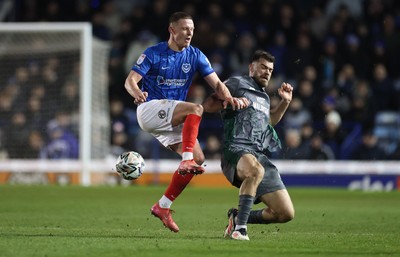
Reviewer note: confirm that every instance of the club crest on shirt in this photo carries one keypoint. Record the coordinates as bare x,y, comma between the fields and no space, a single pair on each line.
140,59
186,67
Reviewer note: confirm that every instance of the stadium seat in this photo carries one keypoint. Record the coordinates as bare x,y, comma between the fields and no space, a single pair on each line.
387,129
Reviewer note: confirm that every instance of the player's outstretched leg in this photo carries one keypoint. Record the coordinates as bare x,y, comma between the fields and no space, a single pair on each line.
164,214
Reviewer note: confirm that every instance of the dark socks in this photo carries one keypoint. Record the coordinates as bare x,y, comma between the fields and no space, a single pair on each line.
255,217
245,205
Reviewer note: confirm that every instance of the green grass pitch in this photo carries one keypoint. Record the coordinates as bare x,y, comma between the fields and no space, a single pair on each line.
116,221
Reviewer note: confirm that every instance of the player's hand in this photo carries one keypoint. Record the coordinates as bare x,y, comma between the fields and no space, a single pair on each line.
242,102
228,101
285,91
236,103
140,97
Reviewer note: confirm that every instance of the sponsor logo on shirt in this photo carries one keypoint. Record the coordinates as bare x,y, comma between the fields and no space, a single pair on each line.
170,82
260,107
260,100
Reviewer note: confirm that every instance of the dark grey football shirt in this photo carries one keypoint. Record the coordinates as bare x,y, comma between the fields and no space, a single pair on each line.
249,128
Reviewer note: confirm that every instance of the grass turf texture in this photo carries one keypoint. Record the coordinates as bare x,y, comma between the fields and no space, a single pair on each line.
116,221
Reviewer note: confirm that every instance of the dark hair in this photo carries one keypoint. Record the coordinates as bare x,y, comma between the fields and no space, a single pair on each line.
260,54
178,16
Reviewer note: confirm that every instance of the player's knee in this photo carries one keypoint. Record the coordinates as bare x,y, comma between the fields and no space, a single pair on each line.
257,172
286,216
197,109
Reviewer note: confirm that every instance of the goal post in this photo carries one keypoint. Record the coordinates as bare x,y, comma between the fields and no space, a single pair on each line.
64,53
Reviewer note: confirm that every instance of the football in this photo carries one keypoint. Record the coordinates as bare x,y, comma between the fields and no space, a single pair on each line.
130,165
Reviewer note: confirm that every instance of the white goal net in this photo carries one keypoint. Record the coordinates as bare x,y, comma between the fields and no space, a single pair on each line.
53,98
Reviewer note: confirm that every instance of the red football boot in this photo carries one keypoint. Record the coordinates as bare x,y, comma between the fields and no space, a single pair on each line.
190,166
164,214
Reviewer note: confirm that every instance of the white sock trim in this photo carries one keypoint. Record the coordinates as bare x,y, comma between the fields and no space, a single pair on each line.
164,202
237,227
187,156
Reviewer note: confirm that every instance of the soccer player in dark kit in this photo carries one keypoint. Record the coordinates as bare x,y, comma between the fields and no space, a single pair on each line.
248,135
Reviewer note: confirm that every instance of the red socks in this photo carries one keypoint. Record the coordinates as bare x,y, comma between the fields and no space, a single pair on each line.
189,132
177,185
189,136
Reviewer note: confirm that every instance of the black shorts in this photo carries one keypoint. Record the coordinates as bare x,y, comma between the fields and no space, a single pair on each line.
270,183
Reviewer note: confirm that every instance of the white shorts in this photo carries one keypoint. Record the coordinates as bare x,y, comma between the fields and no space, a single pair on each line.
155,117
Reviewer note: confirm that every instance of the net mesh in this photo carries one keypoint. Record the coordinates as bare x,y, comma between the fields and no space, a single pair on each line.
40,112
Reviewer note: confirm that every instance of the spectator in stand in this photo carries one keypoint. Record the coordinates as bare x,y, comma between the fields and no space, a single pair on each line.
20,84
119,120
157,15
379,54
299,56
294,149
362,104
208,35
368,149
306,133
330,62
278,49
241,18
286,21
343,103
242,53
212,149
119,144
145,38
333,133
16,135
352,8
216,19
70,95
391,39
296,115
346,79
35,113
62,144
99,26
328,104
382,88
307,95
355,56
112,17
6,105
319,150
35,145
220,58
318,22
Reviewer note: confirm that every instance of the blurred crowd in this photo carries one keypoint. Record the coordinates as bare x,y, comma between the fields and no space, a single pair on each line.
342,58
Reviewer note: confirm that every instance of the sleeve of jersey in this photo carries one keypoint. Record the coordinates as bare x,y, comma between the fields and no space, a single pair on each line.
205,68
143,63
